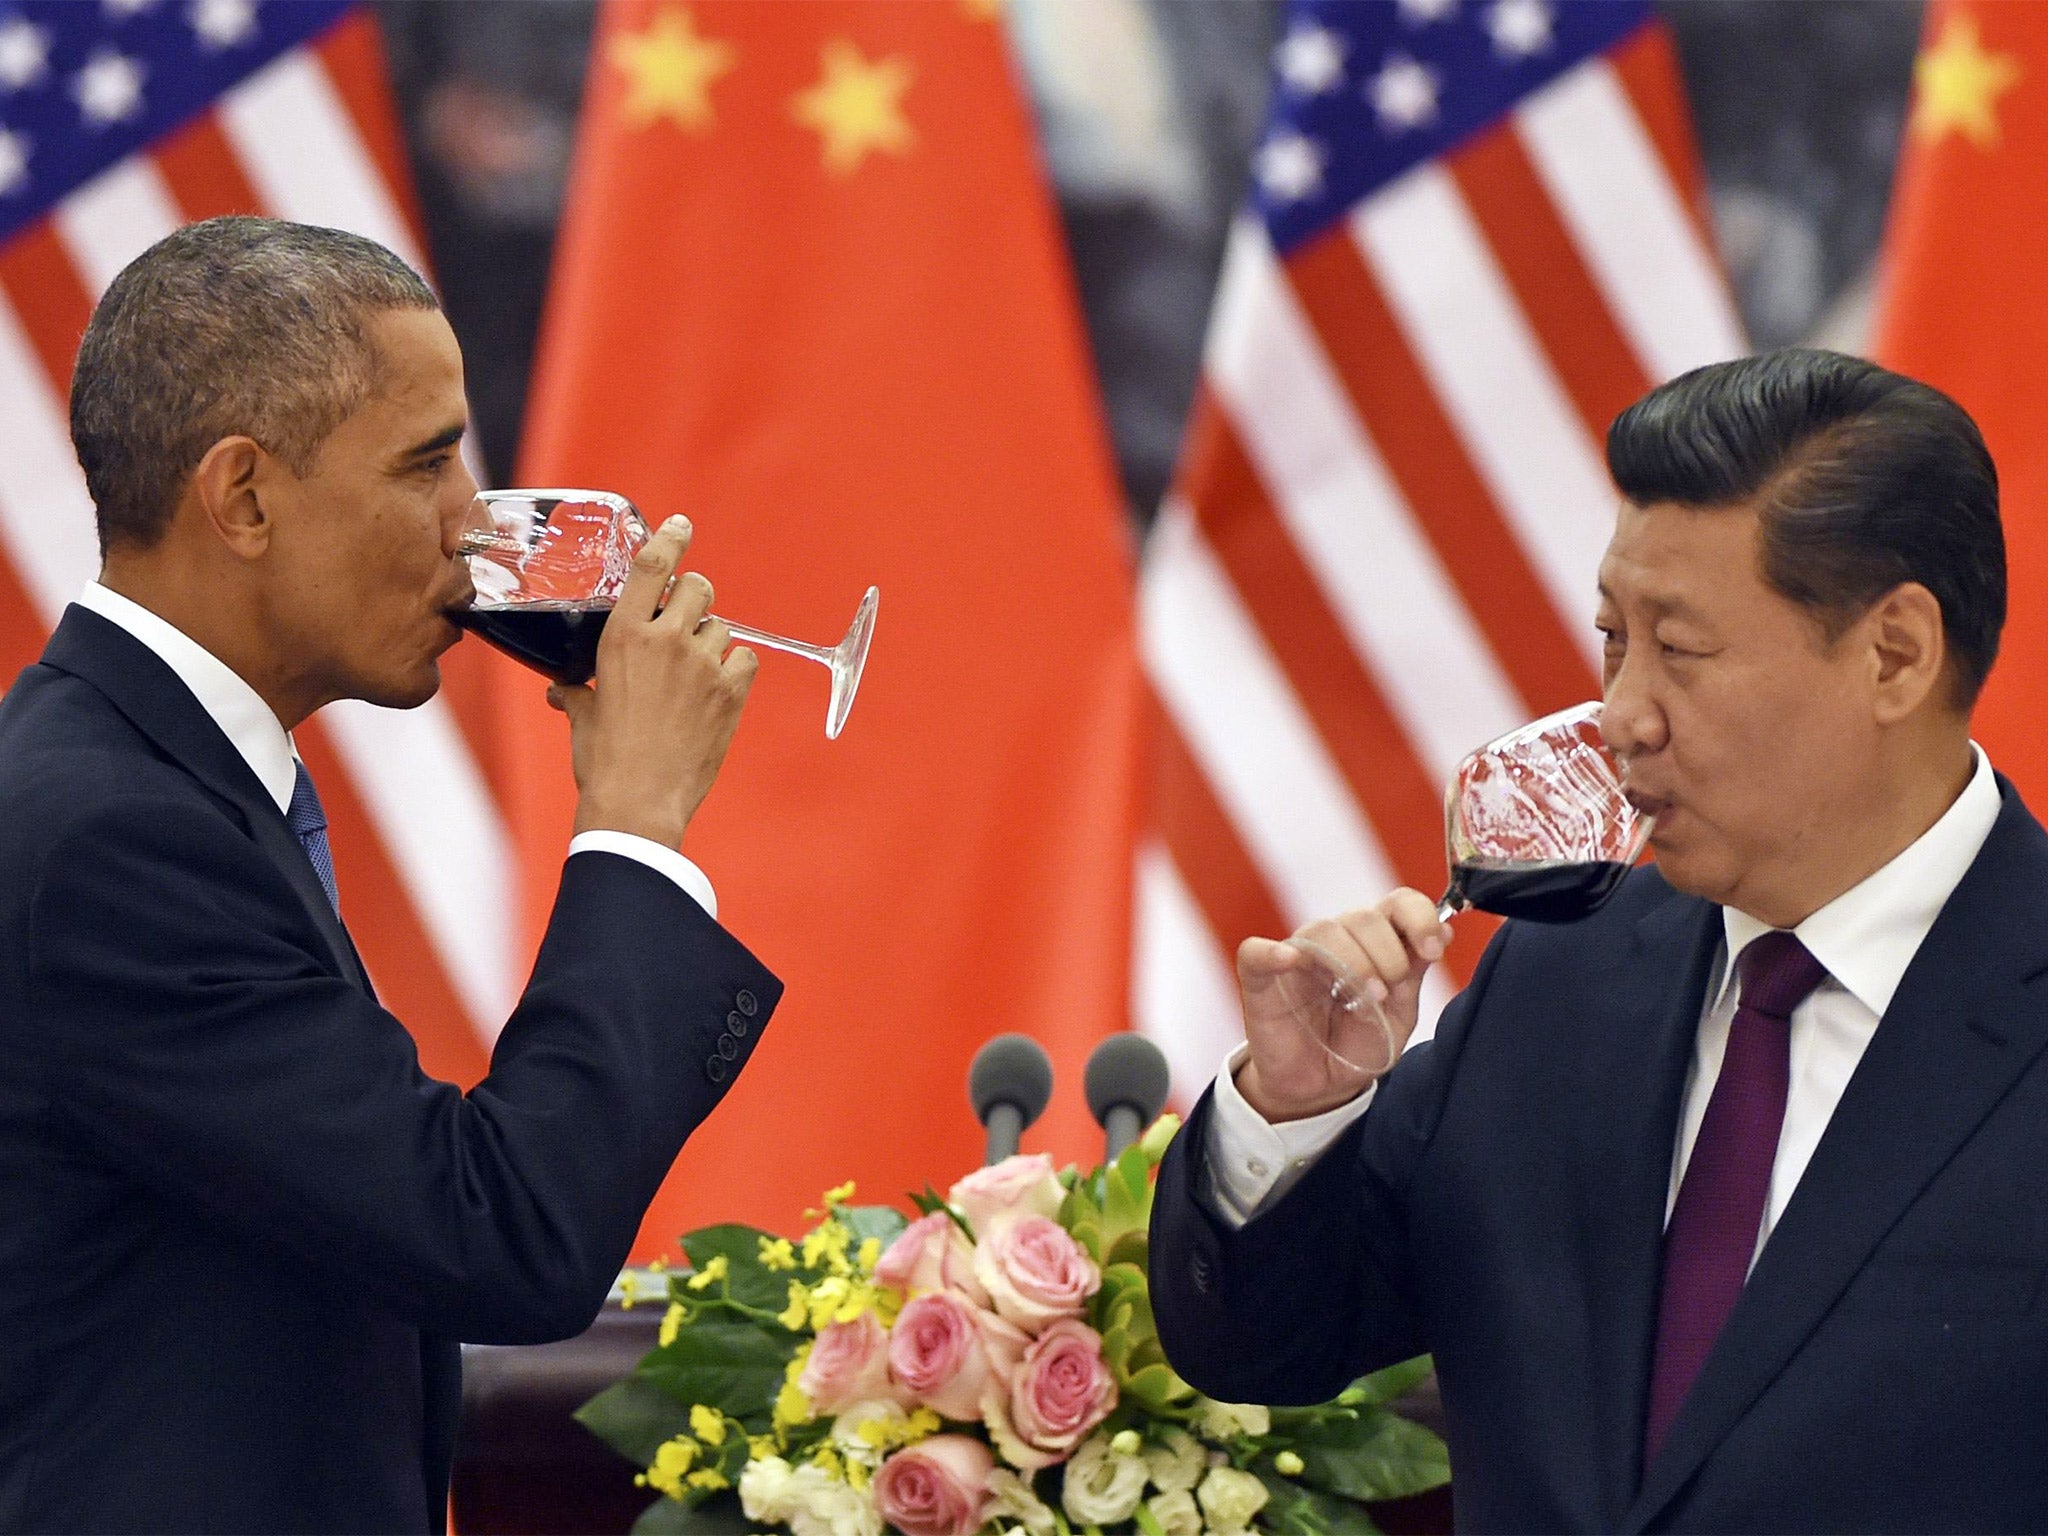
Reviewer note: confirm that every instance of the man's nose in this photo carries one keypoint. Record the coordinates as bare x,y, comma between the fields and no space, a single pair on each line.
1631,719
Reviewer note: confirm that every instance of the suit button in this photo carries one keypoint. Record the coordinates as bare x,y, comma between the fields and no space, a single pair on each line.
728,1047
737,1023
1199,1268
715,1069
747,1003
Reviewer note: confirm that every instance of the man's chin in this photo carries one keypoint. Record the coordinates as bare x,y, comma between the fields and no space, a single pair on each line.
407,692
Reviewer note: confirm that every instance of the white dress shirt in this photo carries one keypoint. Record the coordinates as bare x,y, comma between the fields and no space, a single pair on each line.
256,733
1866,937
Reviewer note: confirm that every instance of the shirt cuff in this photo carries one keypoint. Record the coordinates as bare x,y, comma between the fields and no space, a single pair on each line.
1253,1162
663,861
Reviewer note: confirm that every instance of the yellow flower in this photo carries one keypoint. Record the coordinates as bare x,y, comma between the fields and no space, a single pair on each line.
924,1422
671,1462
761,1447
825,1247
1287,1464
710,1274
791,1406
857,1477
708,1477
672,1323
840,1195
629,1290
828,1458
707,1424
657,1264
777,1254
792,1316
870,1252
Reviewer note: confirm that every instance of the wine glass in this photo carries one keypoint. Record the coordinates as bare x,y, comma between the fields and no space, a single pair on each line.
1535,827
547,566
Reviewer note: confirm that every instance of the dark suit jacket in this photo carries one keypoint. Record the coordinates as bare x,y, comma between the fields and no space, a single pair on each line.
240,1232
1502,1204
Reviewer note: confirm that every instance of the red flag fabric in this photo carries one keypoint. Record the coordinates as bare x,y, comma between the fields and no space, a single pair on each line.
1964,305
811,292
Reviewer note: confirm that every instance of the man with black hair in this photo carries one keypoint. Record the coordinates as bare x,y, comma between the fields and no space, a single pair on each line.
241,1233
1724,1209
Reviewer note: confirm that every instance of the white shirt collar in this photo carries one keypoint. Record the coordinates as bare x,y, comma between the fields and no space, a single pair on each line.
236,708
1868,935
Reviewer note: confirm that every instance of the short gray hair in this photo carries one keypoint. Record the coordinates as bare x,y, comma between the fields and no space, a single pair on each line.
239,325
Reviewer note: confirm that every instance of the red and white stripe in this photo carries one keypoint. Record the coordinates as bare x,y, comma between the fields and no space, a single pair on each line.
1383,545
425,856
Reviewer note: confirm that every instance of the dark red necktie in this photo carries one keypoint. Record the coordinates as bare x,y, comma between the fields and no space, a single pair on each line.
1720,1209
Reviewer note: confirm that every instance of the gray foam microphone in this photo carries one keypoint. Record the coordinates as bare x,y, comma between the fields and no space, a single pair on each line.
1126,1083
1008,1085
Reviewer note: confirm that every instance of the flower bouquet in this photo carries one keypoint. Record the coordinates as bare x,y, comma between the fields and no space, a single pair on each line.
991,1365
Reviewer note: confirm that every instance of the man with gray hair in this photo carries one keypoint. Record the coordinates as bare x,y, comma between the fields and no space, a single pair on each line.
241,1233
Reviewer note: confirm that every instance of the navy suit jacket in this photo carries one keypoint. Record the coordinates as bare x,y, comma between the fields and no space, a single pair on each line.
241,1234
1502,1205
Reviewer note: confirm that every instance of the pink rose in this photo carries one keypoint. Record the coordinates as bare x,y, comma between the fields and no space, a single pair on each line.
945,1353
931,1254
1062,1389
1024,1184
1033,1271
936,1487
849,1363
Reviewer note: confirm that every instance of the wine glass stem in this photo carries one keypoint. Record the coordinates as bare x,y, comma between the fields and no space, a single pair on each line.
822,654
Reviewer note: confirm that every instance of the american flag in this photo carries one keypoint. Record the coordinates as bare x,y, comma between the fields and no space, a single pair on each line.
1474,236
120,121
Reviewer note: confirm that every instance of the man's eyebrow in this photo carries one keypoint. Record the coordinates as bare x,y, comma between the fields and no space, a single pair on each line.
447,437
1662,607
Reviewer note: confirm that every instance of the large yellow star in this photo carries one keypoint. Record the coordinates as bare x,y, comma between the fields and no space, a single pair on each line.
857,106
669,70
1959,84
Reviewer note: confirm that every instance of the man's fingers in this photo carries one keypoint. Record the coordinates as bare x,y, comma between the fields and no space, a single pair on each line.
1413,916
1263,959
689,602
652,567
571,700
740,666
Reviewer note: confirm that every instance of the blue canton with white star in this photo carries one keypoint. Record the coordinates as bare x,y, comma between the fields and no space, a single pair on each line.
86,83
1365,90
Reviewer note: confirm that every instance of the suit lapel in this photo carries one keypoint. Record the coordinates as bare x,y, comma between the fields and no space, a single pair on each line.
1624,1168
145,690
1960,1030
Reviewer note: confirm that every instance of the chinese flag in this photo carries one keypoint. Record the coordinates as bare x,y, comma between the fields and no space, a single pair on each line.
1965,307
811,291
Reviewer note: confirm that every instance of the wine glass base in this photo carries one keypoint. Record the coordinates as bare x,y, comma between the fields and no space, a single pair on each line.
849,661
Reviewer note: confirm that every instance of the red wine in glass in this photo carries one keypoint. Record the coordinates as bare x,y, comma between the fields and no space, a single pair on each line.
559,641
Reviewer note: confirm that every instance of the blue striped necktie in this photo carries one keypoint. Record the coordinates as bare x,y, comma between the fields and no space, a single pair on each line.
309,824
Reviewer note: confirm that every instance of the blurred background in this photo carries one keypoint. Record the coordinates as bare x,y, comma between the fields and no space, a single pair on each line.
1148,111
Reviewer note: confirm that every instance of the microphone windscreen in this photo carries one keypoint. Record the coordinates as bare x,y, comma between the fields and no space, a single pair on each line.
1013,1070
1127,1069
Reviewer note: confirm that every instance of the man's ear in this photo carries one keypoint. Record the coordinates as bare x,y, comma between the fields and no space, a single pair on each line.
227,484
1908,648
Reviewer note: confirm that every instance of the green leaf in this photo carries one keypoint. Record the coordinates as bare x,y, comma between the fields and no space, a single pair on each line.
883,1222
1292,1510
1133,1248
753,1283
725,1361
717,1515
1158,1387
1377,1455
635,1418
1385,1386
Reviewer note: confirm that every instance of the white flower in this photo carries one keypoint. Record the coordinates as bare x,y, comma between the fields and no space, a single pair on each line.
1011,1499
768,1490
1176,1513
1177,1465
825,1506
1102,1484
1222,1421
1230,1498
847,1427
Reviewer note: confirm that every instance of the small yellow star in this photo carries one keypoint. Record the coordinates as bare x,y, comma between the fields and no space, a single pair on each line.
1959,84
857,106
982,10
669,70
